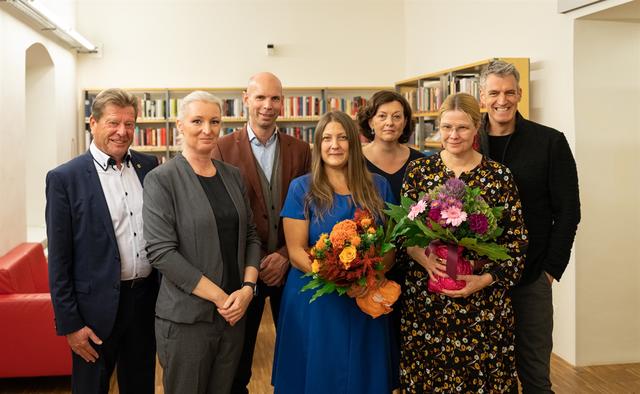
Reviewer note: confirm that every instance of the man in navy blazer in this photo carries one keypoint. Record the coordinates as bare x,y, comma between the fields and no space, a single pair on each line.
103,289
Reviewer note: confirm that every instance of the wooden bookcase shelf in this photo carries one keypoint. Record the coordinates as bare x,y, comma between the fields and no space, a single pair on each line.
426,92
303,106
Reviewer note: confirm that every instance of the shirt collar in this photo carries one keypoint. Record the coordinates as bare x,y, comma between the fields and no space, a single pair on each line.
254,139
102,159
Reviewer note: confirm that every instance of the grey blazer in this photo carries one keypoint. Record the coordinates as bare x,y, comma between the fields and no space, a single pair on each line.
182,236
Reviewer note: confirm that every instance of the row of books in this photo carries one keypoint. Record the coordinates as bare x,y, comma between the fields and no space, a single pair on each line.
294,106
429,96
158,136
351,105
305,133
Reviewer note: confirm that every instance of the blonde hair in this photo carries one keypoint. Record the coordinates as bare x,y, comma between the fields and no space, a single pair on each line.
364,193
114,96
462,102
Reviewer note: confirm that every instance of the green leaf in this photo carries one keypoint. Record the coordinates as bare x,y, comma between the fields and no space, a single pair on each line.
313,284
328,288
387,247
488,249
396,212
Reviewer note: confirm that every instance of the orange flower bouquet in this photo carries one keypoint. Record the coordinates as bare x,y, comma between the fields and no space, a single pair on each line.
349,261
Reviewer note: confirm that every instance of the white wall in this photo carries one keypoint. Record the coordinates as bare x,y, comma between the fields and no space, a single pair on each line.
222,42
40,96
607,81
443,34
15,37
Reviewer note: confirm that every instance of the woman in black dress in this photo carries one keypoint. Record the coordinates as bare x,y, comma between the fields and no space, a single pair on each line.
387,123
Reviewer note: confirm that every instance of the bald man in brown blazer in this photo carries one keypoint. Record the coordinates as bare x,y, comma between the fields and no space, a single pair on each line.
268,161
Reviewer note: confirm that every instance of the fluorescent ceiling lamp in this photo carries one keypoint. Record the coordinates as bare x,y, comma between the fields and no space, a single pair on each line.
40,14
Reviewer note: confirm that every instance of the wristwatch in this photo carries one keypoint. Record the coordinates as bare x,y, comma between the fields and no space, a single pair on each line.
253,287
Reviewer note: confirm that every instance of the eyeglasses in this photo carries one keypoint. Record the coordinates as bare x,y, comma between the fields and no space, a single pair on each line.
461,129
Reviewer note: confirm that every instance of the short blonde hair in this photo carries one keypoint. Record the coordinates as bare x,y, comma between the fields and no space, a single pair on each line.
115,96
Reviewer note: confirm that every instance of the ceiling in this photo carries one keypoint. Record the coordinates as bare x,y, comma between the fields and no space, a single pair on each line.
628,12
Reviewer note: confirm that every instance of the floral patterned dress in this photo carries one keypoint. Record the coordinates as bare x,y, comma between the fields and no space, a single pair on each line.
463,344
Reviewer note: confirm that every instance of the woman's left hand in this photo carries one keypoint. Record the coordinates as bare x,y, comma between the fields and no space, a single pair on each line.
236,305
473,283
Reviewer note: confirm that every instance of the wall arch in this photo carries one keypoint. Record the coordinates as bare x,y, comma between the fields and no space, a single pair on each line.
40,134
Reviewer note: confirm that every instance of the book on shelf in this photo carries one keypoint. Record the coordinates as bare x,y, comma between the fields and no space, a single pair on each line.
348,105
150,136
304,133
89,98
301,106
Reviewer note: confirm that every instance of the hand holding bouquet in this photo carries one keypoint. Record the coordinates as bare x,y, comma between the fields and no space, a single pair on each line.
349,260
450,218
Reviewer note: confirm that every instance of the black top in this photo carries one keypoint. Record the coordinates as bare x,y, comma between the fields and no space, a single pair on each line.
227,221
545,172
395,179
497,146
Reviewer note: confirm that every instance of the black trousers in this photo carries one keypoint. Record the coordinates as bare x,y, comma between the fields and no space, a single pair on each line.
131,346
253,317
533,308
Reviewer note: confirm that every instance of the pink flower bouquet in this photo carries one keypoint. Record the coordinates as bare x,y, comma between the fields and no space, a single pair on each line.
451,220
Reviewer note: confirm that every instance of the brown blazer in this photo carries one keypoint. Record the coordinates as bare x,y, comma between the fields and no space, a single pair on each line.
295,161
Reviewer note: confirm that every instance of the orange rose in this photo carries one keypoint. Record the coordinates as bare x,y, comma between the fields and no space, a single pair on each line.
347,255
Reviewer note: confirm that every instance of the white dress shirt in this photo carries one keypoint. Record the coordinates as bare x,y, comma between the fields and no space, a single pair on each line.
264,154
123,192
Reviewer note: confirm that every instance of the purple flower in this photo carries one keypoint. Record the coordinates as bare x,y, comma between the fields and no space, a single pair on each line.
454,187
478,223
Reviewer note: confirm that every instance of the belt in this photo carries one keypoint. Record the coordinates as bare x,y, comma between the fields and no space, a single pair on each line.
133,283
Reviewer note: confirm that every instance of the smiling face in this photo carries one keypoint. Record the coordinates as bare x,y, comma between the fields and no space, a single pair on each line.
335,146
501,96
264,101
388,122
457,131
200,127
113,132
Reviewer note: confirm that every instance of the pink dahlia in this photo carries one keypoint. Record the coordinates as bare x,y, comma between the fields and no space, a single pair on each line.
454,216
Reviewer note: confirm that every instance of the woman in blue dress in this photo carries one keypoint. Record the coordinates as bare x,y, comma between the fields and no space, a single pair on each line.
330,345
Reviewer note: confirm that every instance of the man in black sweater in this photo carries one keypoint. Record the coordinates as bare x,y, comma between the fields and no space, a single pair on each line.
545,172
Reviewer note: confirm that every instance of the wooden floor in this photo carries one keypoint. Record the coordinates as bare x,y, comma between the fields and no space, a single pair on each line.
609,379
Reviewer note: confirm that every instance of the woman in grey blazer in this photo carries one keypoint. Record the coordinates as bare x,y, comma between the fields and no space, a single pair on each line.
200,235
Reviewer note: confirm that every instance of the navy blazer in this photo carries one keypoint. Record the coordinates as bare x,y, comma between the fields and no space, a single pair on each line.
84,262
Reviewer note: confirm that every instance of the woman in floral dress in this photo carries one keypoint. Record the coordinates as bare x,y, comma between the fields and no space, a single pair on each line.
462,340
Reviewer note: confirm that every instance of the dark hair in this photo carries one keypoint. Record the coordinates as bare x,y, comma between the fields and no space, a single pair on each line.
118,97
369,111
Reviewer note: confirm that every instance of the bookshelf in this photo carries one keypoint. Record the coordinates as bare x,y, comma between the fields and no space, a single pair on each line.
426,93
156,130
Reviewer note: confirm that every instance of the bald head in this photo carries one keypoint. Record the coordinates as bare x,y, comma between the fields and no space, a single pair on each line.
263,99
264,79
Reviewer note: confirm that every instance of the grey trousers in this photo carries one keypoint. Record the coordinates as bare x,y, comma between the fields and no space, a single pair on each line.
533,308
199,358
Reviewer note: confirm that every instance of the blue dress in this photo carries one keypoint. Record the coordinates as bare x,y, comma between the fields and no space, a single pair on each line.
329,346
